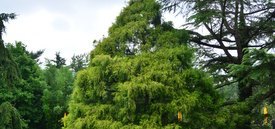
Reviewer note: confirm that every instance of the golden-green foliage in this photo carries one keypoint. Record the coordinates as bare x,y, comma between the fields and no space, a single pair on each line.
141,76
145,91
138,29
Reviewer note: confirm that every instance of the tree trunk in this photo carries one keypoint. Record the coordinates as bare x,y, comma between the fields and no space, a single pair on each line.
244,92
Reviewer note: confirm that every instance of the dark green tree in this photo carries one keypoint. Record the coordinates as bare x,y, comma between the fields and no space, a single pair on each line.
28,90
9,117
231,26
8,68
56,94
257,69
79,62
35,55
4,17
59,61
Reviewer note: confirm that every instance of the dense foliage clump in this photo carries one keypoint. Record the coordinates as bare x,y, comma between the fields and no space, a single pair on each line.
147,90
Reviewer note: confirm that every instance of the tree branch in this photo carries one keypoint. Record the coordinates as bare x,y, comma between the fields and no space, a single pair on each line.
226,24
260,10
223,19
199,42
225,84
220,42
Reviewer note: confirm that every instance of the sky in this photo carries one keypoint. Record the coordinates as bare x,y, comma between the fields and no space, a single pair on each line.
65,26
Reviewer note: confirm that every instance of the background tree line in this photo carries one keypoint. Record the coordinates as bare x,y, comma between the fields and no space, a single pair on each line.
31,97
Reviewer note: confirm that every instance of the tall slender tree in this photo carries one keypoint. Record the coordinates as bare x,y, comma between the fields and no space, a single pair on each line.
4,17
8,68
79,62
9,116
56,94
59,61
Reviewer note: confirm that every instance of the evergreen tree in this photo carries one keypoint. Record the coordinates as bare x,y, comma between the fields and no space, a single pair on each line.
257,69
9,117
141,76
232,26
28,90
8,68
4,17
79,62
36,55
59,61
56,94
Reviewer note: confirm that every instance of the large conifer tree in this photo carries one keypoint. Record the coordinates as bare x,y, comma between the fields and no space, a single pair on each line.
231,29
8,68
141,76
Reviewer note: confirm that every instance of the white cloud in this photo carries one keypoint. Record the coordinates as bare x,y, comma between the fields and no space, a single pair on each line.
65,26
178,20
68,27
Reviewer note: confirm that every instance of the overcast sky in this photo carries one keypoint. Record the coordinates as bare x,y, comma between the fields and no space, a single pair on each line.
65,26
